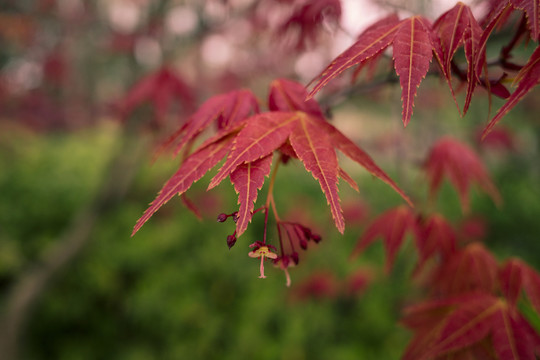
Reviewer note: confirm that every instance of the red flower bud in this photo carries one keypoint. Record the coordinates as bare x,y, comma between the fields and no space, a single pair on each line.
231,240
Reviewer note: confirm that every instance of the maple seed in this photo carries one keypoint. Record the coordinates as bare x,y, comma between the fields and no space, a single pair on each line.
222,217
231,240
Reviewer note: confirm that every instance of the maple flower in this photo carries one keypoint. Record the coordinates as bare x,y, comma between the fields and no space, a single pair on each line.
262,250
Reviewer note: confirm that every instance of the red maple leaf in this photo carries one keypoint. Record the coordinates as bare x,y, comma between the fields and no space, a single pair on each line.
527,78
319,285
161,89
499,138
191,170
392,227
434,236
288,95
472,268
515,276
458,27
469,326
413,43
248,178
451,158
308,18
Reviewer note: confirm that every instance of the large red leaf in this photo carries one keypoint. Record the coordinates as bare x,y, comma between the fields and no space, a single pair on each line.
412,56
191,170
372,41
262,134
315,150
248,178
528,77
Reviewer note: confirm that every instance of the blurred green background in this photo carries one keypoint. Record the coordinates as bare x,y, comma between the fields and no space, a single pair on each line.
69,169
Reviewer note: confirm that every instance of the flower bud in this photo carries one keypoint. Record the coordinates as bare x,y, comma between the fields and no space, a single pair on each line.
303,244
294,257
231,240
222,217
316,237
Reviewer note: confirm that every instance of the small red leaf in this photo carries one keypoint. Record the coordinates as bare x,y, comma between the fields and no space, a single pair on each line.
392,227
159,88
412,56
451,158
434,236
309,17
458,27
191,206
287,95
315,150
248,179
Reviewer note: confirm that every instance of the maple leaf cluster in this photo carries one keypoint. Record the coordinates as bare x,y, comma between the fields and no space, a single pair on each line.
248,139
474,309
416,41
474,306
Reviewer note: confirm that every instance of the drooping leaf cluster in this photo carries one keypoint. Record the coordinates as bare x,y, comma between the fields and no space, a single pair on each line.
473,305
247,139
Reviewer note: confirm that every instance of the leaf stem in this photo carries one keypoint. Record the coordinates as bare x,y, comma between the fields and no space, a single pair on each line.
270,196
270,199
